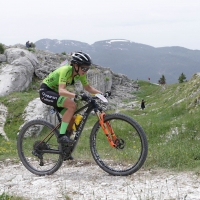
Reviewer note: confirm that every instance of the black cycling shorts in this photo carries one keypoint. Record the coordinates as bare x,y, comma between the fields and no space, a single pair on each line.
49,96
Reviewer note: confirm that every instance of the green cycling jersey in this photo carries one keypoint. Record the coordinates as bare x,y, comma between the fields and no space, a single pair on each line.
63,75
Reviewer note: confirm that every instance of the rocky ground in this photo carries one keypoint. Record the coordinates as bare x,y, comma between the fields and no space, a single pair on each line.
86,181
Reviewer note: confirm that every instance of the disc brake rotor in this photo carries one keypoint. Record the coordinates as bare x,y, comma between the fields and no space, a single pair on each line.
120,144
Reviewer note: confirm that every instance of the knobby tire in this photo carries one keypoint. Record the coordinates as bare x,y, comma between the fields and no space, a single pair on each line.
29,136
130,156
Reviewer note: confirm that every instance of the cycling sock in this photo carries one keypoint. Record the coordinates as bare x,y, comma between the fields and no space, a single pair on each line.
61,101
63,111
63,128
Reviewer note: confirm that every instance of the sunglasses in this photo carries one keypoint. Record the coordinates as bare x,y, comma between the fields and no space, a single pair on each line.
85,69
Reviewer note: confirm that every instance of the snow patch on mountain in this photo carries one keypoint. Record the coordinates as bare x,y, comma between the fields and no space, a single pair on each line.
121,40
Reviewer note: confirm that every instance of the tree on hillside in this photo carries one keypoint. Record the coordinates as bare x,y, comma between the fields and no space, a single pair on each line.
182,78
162,80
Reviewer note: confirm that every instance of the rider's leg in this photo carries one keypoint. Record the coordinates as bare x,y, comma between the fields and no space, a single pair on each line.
70,105
69,128
67,116
50,97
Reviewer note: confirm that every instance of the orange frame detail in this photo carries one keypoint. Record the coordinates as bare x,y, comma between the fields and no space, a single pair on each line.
107,130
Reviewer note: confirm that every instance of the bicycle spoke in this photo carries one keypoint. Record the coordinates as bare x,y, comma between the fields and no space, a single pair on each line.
127,156
38,155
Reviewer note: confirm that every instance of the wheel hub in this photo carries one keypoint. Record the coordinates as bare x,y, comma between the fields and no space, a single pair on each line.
120,144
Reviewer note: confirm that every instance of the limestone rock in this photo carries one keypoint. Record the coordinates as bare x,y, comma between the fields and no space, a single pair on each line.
2,58
13,54
16,78
17,74
38,110
3,114
48,62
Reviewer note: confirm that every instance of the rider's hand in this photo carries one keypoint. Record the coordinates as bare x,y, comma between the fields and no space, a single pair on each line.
107,94
82,97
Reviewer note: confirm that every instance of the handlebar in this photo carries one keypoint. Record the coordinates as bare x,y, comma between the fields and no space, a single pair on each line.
97,96
106,95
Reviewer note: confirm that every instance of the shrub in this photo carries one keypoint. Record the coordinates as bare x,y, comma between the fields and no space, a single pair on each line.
33,45
32,50
64,53
2,49
107,79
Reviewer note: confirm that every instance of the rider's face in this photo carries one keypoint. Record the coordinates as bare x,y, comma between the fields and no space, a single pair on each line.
83,69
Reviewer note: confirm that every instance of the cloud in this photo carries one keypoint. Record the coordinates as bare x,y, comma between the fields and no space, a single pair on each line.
154,22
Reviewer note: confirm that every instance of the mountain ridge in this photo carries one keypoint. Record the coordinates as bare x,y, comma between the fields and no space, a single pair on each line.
137,61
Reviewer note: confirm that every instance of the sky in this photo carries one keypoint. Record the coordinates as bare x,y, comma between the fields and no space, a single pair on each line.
158,23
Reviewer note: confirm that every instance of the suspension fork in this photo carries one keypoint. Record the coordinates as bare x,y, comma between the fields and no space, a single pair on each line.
106,126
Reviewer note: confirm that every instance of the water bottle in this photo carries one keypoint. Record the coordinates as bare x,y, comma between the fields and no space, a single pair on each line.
77,121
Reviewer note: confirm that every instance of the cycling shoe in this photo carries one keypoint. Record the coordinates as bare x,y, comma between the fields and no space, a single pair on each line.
65,139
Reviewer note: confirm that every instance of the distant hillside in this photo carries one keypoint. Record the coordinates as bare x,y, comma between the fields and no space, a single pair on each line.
171,122
133,59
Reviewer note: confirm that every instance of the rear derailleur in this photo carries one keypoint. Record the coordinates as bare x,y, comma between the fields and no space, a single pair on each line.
37,150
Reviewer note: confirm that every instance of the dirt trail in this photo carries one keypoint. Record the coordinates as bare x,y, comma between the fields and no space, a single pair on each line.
85,181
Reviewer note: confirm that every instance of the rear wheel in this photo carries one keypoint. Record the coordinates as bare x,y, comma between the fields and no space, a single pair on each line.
131,146
40,154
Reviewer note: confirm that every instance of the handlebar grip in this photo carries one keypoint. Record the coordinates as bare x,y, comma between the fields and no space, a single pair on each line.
107,94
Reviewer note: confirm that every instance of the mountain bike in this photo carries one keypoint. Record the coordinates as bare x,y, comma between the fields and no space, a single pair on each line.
118,143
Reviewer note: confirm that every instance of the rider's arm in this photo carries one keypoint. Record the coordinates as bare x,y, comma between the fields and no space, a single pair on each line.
91,90
63,92
87,87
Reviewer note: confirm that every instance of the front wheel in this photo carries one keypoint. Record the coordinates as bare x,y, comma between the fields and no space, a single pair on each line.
38,148
131,146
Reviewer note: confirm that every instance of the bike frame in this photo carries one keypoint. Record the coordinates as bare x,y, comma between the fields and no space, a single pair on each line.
92,105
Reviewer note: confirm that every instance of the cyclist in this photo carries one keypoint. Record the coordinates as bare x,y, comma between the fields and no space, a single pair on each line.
54,90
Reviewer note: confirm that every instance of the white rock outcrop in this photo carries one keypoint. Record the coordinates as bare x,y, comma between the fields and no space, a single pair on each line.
2,58
17,74
38,110
3,115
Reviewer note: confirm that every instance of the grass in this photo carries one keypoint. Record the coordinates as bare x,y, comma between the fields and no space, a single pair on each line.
171,125
16,103
6,196
171,122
